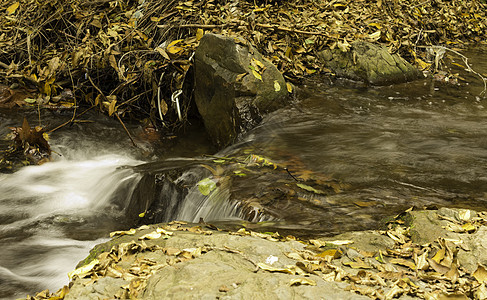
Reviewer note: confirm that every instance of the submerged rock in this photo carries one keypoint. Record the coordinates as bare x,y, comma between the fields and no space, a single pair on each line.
369,63
234,87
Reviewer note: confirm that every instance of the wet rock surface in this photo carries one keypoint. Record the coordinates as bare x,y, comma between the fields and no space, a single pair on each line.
178,260
370,63
234,86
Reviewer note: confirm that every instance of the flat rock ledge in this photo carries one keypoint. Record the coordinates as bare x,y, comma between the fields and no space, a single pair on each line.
432,254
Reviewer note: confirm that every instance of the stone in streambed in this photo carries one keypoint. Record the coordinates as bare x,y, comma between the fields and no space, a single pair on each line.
234,87
369,63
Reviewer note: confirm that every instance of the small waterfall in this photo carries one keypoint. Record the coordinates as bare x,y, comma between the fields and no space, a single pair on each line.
52,215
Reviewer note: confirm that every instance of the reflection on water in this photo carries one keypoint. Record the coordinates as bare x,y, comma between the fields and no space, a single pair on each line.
414,144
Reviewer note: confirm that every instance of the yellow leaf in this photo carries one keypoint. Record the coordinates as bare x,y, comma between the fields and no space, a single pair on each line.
302,281
12,8
129,232
161,230
357,265
84,270
142,214
272,269
258,63
173,43
289,87
468,227
422,64
277,86
151,236
112,108
376,25
240,76
480,274
47,89
330,252
98,99
199,34
439,255
45,136
403,262
257,75
156,19
174,49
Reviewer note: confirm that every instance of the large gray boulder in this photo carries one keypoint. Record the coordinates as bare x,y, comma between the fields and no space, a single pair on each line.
369,63
234,87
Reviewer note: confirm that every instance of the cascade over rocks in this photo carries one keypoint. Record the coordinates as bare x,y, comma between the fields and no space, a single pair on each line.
234,87
369,63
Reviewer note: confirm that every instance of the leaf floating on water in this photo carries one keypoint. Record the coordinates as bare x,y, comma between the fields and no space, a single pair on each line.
84,270
302,281
309,188
129,232
205,186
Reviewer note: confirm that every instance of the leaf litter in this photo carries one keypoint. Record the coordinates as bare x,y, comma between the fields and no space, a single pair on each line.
427,271
128,58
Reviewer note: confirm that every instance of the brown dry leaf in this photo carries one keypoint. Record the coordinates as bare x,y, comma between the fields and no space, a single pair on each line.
403,262
359,264
480,274
421,261
334,253
439,256
438,267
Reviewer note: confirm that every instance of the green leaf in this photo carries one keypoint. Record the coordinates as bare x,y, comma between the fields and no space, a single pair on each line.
206,186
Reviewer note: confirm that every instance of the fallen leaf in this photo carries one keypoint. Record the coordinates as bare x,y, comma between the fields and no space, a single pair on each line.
273,269
403,262
257,75
129,232
84,270
309,188
480,274
277,86
302,281
12,8
199,34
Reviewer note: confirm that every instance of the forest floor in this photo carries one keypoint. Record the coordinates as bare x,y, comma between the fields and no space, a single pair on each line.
121,57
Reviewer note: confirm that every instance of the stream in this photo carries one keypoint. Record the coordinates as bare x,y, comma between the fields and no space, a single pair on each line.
420,144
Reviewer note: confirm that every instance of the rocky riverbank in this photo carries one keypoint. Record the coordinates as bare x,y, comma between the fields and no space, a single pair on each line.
425,254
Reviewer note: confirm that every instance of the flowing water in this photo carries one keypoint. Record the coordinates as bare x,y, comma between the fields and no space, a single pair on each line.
421,143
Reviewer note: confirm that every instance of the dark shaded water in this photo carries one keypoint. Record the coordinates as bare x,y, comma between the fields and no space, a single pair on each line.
421,143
